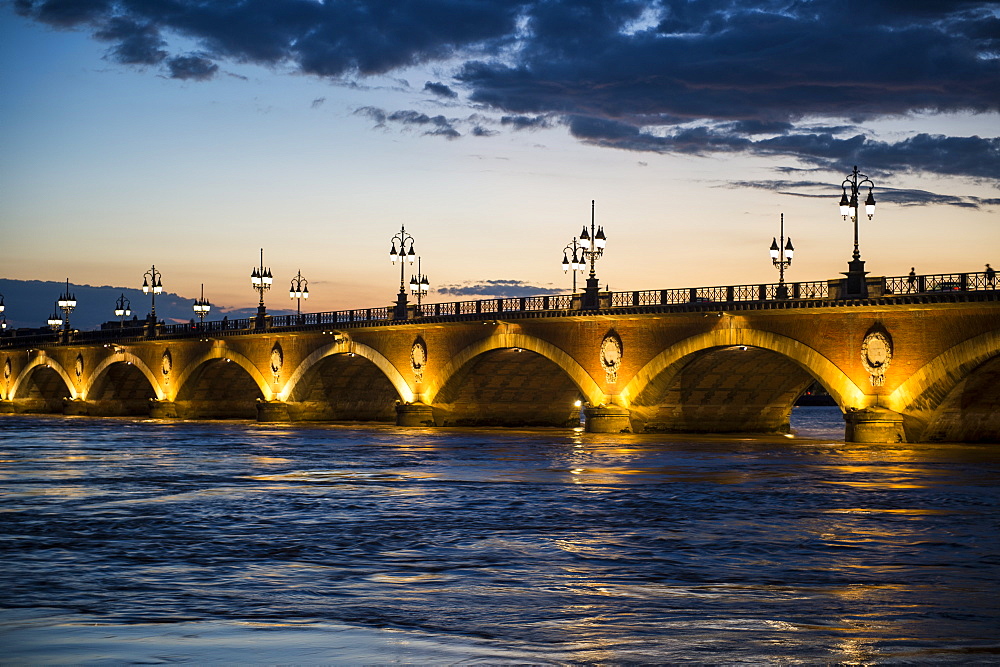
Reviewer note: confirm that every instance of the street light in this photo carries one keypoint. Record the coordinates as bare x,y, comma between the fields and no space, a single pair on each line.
781,257
419,284
299,290
54,320
577,263
593,243
405,254
261,279
152,285
202,306
3,318
66,303
122,309
850,206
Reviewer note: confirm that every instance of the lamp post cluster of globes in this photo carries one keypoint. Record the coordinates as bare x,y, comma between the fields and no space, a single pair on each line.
582,252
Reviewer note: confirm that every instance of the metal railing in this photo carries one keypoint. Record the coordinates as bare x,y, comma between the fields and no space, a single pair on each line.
891,287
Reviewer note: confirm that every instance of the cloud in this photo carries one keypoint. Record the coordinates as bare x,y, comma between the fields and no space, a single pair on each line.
498,289
795,80
440,89
317,103
522,122
898,196
435,125
193,66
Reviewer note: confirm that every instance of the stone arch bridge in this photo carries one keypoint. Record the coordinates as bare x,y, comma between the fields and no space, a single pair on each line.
914,367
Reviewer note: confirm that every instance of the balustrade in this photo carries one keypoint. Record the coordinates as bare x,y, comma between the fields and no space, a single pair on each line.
898,286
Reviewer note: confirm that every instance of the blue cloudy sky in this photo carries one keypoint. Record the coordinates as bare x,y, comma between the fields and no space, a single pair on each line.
189,134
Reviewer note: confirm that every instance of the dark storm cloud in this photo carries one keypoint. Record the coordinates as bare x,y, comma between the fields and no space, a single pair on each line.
498,289
775,77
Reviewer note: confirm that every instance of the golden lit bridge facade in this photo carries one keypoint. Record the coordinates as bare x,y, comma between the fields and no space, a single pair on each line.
917,359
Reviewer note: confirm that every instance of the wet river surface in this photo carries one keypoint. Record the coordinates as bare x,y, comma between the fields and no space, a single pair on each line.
210,542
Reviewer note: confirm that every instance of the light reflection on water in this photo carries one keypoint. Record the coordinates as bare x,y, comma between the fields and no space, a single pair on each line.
240,542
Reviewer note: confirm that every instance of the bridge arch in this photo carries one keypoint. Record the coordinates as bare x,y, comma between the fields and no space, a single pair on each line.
38,387
100,373
953,397
222,383
346,346
507,388
121,384
699,376
345,380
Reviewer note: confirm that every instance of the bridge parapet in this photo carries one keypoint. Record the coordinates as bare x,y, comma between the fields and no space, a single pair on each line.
932,287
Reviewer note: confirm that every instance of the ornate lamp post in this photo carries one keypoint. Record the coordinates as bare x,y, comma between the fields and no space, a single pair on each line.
592,245
66,303
299,290
54,320
261,279
849,206
781,257
405,254
577,263
419,284
152,285
122,309
201,306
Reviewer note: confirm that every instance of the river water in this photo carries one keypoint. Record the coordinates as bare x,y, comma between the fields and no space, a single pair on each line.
209,542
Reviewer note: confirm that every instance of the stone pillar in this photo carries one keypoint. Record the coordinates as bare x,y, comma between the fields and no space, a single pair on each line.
591,296
855,286
873,424
162,409
76,407
273,411
401,309
414,414
607,419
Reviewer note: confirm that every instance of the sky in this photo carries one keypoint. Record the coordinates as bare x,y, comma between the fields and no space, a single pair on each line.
188,135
